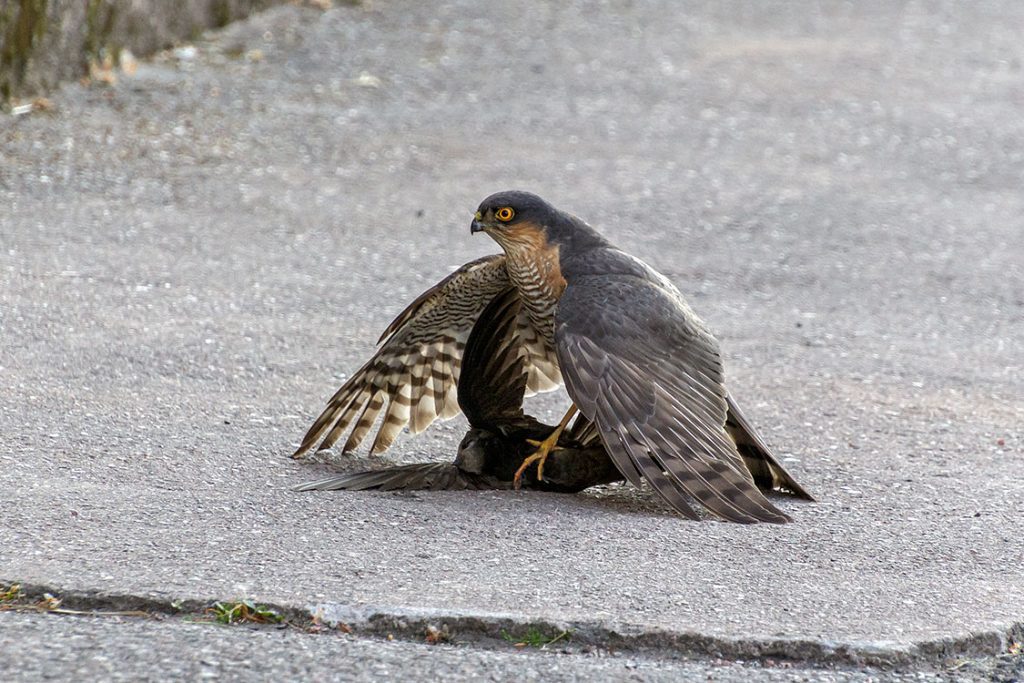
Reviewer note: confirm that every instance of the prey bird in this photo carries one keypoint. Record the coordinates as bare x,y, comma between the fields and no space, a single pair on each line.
639,365
491,387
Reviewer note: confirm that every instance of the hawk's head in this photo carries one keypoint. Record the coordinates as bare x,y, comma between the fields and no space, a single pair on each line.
516,219
509,212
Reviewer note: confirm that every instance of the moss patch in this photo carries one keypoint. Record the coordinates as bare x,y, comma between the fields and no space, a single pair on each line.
22,25
99,26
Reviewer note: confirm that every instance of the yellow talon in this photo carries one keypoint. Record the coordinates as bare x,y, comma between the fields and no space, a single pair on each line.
544,449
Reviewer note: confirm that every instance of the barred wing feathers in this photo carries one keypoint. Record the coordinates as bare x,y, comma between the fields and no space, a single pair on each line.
412,379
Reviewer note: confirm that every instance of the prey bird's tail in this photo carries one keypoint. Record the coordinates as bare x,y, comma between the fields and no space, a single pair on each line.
417,477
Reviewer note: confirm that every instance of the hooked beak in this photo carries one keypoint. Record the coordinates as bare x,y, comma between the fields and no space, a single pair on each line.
476,226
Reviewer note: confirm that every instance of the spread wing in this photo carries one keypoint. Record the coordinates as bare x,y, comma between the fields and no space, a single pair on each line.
641,366
412,378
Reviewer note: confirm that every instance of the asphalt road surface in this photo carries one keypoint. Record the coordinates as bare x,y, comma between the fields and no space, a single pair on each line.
193,258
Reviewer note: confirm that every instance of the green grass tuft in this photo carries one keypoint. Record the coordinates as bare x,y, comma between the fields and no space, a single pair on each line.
243,611
534,637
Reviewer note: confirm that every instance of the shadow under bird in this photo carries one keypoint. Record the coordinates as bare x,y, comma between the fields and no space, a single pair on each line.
560,304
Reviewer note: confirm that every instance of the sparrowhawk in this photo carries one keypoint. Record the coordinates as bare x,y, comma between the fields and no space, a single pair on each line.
636,361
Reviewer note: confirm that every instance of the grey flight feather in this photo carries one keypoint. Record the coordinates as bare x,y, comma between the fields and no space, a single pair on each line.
642,366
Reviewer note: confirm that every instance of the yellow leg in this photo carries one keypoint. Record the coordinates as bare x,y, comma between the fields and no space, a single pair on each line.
544,449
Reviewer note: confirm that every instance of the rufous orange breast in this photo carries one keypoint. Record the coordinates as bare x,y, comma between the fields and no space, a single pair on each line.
533,267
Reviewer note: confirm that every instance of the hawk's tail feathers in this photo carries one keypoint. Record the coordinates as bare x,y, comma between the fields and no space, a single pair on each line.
768,473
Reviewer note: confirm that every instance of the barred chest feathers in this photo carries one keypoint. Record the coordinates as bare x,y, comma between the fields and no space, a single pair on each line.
537,276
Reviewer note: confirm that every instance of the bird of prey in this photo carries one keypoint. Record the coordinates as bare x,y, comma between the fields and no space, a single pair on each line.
491,387
637,362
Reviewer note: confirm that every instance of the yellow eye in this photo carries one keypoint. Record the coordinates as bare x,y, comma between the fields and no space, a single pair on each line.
504,214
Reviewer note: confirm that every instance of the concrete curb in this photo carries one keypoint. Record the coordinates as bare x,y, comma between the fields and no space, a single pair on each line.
492,630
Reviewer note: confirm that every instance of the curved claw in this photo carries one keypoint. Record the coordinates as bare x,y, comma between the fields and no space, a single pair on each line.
544,449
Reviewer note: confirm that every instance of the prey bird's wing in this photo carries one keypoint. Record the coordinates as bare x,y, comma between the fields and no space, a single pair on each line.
639,364
412,378
493,378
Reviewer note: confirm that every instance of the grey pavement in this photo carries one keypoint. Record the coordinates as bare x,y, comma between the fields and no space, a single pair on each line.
112,649
192,260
